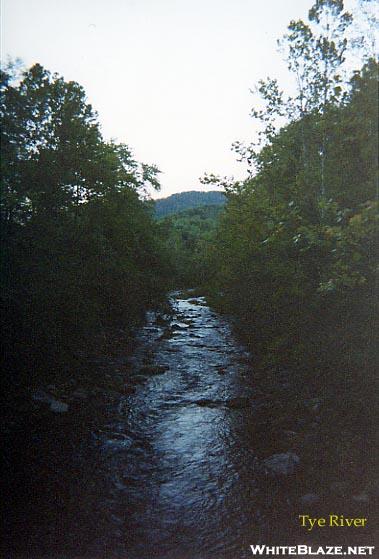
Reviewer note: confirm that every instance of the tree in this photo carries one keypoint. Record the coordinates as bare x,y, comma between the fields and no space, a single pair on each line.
81,252
298,234
315,54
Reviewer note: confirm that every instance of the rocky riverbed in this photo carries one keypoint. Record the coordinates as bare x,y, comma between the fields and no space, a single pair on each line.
176,450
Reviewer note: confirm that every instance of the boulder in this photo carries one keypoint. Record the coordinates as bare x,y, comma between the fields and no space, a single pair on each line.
55,405
41,396
58,407
282,464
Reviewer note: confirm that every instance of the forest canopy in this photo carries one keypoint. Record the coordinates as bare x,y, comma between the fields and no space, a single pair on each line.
81,250
295,253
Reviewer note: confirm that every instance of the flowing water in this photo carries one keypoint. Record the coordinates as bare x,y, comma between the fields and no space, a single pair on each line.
179,473
157,460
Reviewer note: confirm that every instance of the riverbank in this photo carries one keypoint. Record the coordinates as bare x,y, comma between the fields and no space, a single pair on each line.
328,417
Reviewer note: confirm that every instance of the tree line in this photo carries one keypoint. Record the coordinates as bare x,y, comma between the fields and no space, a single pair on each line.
294,257
296,264
81,252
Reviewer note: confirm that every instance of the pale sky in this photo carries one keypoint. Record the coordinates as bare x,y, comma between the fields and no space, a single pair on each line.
170,78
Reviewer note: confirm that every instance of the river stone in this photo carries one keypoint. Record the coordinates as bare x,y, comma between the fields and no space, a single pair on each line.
167,334
309,499
161,321
41,396
207,403
58,407
282,464
361,498
55,405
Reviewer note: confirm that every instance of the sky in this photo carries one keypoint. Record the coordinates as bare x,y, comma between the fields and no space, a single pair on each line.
170,78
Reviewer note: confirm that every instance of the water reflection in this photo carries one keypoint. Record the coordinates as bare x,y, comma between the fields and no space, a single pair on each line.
180,479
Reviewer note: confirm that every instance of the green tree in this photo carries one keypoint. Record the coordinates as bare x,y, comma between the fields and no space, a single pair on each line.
81,251
297,240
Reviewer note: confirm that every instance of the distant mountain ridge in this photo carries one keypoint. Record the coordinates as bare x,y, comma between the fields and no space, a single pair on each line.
187,200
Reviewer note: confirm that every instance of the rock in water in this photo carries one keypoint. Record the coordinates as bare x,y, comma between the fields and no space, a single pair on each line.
282,464
55,405
58,407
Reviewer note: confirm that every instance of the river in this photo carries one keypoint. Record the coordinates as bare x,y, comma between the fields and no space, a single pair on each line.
164,455
179,473
160,457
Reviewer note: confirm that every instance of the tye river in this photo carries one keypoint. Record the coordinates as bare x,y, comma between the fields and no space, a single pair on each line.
179,471
164,467
163,455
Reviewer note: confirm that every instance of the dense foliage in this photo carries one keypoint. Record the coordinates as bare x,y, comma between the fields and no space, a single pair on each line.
81,251
188,237
296,249
186,200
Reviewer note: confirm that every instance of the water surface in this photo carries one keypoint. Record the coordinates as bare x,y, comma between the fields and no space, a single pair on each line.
180,474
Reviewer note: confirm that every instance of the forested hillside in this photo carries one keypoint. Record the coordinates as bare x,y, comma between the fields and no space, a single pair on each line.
189,235
186,200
